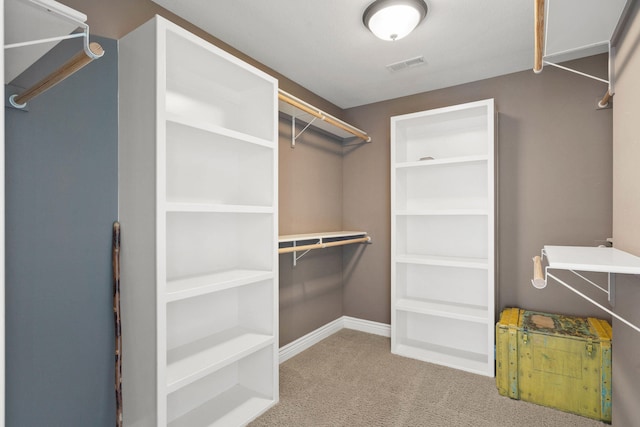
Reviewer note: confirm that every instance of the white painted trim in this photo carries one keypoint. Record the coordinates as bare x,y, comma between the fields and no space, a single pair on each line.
345,322
368,326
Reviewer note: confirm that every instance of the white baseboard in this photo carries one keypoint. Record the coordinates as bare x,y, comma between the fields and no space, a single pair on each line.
368,326
344,322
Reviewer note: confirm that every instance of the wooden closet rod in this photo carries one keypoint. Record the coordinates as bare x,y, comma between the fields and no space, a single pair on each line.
79,60
323,245
538,17
301,105
539,33
605,100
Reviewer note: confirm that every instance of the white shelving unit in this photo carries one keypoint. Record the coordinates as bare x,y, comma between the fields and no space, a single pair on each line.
198,212
442,236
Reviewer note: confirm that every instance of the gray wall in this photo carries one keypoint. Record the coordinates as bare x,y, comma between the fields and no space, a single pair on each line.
61,199
310,201
626,221
554,174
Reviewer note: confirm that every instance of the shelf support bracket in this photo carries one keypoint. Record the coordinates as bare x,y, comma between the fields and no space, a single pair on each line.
540,283
541,57
294,137
612,289
321,243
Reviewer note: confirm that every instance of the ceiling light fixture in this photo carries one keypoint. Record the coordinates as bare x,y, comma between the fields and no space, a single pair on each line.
394,19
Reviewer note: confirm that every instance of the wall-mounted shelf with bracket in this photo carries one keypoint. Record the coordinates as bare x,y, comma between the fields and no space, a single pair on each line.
28,19
294,243
309,115
562,34
591,259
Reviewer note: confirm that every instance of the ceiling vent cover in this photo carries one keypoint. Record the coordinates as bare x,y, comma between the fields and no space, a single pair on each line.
407,63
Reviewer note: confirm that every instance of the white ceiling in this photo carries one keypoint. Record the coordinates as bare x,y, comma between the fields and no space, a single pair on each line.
324,46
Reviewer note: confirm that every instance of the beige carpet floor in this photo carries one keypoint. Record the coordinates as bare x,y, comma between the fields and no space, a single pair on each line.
352,379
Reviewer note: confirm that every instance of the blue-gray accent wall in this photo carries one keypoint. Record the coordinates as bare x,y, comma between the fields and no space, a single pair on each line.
61,201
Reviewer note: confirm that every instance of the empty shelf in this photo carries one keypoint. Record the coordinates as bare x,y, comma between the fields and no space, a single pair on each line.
443,211
215,208
450,310
443,161
317,236
200,285
447,356
584,258
443,261
193,361
297,108
234,407
217,130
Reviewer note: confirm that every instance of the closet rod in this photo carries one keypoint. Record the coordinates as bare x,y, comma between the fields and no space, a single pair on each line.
605,99
290,249
538,17
89,53
301,105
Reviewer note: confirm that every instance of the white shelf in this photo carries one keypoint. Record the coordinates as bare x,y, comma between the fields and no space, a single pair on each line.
454,185
215,129
446,356
198,243
450,310
200,285
442,211
214,168
583,258
301,110
306,118
320,236
193,361
196,206
443,161
443,261
235,407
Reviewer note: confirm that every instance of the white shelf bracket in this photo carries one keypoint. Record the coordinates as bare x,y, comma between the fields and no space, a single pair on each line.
296,258
541,58
540,283
605,101
612,289
294,137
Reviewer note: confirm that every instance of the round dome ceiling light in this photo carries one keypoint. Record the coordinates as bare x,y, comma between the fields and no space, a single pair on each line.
394,19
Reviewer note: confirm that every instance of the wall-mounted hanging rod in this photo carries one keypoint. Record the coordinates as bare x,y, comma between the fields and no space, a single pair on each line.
541,57
605,100
319,114
90,51
324,245
78,61
538,41
322,240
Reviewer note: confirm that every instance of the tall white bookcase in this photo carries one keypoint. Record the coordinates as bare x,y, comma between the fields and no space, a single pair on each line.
198,214
442,236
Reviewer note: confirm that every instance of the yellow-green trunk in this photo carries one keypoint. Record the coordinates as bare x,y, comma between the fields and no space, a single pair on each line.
557,361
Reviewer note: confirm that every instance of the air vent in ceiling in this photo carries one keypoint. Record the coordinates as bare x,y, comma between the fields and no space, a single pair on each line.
407,63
